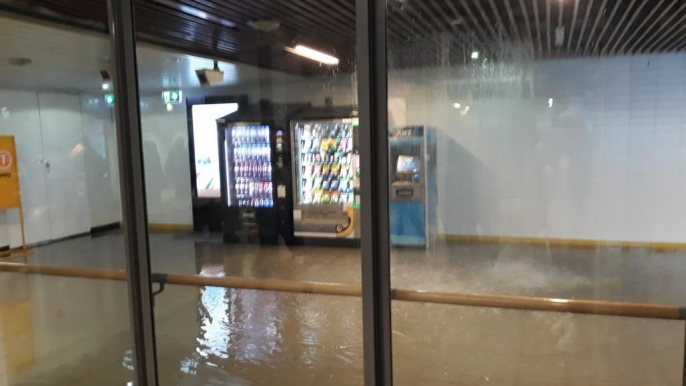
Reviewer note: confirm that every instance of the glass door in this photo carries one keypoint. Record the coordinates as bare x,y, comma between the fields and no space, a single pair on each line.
556,171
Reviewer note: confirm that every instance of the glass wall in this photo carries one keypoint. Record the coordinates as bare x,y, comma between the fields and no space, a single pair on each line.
59,197
535,163
252,172
535,151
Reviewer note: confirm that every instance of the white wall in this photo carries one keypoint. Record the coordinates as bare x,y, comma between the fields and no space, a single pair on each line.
72,198
102,168
167,162
607,161
65,171
22,119
96,172
93,167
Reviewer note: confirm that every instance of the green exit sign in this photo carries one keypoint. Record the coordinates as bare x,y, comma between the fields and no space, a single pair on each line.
172,96
109,99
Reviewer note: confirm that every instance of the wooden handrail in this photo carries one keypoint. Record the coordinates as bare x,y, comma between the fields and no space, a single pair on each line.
654,311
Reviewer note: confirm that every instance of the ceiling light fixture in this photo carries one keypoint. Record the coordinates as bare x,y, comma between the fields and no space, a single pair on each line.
313,54
456,105
170,107
475,55
105,86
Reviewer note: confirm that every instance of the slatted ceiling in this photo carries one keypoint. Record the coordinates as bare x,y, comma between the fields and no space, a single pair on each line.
471,19
68,60
679,44
496,28
670,23
500,26
189,27
513,22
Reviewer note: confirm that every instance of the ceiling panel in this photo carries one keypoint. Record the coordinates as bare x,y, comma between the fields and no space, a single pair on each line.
420,32
69,60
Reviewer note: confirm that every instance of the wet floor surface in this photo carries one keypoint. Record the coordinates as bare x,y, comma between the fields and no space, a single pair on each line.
64,331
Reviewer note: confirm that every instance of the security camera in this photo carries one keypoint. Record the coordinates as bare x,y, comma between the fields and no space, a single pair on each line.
105,75
211,77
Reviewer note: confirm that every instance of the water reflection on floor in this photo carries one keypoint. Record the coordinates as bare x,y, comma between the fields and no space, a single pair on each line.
78,329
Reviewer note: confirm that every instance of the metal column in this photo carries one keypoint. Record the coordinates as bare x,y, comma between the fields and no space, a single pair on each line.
373,110
134,211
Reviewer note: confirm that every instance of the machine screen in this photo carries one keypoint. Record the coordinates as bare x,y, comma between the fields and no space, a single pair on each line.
407,163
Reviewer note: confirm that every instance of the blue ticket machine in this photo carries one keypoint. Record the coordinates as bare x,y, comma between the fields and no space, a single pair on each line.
413,186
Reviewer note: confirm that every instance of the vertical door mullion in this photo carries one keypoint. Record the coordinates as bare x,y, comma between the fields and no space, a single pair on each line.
373,110
134,211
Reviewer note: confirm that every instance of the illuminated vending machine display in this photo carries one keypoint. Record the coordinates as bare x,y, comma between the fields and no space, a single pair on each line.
256,173
249,167
248,213
326,178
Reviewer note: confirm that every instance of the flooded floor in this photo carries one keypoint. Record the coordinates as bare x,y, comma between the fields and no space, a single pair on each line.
65,331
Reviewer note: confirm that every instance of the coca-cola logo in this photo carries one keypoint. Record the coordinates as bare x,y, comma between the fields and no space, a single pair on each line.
5,159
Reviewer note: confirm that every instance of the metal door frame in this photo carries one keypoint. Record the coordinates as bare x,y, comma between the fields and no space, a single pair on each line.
132,180
372,84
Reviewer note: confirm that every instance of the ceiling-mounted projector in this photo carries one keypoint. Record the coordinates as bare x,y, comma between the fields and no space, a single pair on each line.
211,77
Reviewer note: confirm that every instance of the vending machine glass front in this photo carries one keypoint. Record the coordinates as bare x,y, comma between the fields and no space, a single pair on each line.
249,166
324,163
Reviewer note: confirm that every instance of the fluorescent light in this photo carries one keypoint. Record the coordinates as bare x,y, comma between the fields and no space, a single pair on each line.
475,55
550,102
457,105
105,86
313,54
466,108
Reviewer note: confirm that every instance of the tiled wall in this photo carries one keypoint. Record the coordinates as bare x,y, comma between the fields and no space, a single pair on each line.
606,161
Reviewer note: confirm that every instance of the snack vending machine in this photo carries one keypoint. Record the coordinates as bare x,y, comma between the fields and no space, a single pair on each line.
251,144
326,174
413,199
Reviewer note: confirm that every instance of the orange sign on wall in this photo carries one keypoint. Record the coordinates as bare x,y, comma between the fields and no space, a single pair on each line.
9,174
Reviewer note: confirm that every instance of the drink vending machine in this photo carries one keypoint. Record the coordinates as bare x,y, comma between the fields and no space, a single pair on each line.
413,200
253,164
326,175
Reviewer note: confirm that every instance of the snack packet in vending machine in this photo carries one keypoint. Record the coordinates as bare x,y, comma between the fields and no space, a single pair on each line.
317,197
